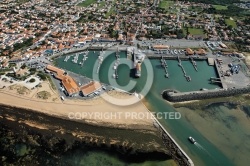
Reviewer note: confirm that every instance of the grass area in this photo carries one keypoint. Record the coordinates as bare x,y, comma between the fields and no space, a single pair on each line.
20,89
51,82
165,4
111,11
45,76
86,3
220,7
43,95
231,22
195,31
101,4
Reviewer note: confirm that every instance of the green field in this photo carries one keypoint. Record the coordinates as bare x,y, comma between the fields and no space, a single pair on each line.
101,4
220,7
165,4
231,22
111,11
195,31
87,3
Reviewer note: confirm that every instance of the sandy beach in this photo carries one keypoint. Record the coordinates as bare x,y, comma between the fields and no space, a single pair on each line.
95,111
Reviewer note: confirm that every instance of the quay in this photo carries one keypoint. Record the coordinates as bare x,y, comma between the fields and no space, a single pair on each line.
210,61
173,57
222,81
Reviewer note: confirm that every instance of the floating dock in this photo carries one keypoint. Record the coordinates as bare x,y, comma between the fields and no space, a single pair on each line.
194,63
188,78
115,75
165,66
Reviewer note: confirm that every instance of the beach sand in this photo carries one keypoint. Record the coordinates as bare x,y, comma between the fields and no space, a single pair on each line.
96,111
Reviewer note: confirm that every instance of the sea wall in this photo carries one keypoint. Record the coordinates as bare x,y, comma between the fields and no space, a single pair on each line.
170,57
173,96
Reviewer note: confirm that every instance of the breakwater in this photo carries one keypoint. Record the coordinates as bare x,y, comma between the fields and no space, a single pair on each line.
173,96
175,151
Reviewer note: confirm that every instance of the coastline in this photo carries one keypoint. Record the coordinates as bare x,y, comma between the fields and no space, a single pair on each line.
62,110
127,143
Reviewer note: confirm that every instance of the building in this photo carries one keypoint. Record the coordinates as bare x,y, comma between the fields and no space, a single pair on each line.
160,47
70,85
90,88
68,82
201,52
189,51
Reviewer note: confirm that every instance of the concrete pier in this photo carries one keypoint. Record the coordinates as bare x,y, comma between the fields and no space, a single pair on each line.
176,152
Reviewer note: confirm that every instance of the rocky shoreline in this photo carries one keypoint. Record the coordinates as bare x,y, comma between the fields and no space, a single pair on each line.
54,137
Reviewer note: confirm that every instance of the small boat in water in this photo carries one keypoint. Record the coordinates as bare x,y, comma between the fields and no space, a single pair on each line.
188,78
192,140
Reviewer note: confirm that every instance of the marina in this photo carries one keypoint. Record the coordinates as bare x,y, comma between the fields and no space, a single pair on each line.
178,82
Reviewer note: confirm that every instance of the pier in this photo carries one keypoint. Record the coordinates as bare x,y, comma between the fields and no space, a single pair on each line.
193,63
115,75
85,57
176,151
165,66
75,59
100,58
188,78
66,58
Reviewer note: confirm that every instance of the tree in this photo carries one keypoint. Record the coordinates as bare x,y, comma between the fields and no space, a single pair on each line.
23,66
32,80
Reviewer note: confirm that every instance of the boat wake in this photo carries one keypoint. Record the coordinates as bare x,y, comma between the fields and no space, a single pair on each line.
204,150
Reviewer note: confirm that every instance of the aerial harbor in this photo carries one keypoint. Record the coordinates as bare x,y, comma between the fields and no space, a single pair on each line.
138,83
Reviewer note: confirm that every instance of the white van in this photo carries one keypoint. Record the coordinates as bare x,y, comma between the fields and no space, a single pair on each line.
62,98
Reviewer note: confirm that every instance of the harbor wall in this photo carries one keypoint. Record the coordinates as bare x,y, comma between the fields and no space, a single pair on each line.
176,152
174,57
172,96
75,50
